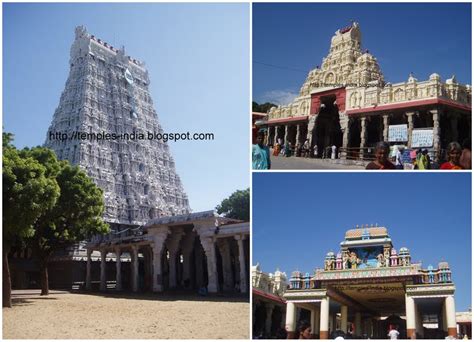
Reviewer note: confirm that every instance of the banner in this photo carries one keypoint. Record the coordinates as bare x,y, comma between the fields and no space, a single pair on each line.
397,133
422,138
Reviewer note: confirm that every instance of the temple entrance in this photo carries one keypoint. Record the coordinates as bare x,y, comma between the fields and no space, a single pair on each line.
374,130
354,139
327,131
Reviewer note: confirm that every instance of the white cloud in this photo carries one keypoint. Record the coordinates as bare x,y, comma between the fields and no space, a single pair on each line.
279,97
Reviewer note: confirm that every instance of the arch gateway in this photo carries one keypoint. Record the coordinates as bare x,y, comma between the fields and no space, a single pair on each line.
347,103
369,287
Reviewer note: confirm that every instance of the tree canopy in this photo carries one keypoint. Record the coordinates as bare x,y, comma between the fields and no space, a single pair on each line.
49,204
76,215
236,206
262,108
28,193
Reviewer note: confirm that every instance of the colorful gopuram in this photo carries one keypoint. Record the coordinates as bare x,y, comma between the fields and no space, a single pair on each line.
368,287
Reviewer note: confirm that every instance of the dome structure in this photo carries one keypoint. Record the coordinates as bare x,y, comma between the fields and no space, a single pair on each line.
412,79
330,255
404,251
443,265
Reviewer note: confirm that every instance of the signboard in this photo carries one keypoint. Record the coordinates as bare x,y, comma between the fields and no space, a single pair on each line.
422,138
397,133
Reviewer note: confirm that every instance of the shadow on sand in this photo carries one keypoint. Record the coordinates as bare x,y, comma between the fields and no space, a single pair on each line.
170,296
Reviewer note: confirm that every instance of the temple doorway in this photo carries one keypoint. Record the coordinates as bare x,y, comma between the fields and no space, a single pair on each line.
328,129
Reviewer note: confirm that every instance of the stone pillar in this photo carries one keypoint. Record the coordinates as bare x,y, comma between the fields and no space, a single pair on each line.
159,237
268,318
410,314
118,264
363,137
315,322
358,324
385,127
224,249
410,126
298,134
344,318
209,249
103,274
134,268
436,131
324,319
242,263
285,140
290,324
276,135
88,269
450,315
345,138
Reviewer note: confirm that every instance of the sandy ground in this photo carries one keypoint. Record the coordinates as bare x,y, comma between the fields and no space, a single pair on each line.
63,315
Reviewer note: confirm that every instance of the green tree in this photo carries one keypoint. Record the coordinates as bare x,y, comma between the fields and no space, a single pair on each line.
76,216
262,108
237,206
27,194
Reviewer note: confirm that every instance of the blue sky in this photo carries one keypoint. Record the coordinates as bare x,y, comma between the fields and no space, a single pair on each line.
299,217
419,38
197,56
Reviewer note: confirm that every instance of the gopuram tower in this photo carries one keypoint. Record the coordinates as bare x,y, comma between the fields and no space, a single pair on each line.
107,93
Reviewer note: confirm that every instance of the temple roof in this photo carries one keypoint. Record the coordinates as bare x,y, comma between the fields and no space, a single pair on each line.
372,232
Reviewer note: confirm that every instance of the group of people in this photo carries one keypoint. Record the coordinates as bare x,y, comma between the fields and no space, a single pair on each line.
457,158
304,150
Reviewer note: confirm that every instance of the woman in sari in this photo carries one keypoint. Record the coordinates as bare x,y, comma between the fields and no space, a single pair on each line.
453,155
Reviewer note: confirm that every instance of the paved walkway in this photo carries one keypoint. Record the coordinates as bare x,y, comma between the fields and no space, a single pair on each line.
298,163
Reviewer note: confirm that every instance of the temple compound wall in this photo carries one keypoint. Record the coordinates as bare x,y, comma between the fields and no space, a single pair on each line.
347,103
187,252
368,288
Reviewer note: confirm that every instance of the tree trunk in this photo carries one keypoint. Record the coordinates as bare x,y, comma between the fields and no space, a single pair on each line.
44,277
7,284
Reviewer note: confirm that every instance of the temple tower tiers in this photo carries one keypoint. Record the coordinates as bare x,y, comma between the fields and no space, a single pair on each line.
107,92
345,64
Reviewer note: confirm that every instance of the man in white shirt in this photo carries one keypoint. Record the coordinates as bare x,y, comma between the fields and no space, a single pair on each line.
393,334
